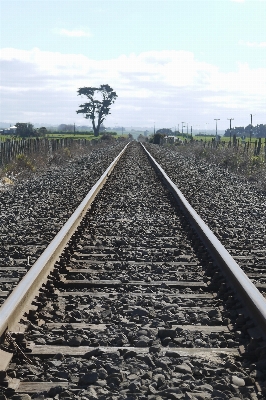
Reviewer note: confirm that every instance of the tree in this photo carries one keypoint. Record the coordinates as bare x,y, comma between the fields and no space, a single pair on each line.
41,131
165,131
158,137
98,107
24,129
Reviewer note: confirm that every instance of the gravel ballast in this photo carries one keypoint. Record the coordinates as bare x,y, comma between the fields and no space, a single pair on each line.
128,228
32,211
232,207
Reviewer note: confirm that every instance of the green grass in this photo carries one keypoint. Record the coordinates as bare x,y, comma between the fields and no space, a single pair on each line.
204,138
58,135
225,139
70,136
3,138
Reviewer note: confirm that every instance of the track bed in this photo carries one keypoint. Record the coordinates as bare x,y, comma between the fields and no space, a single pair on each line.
136,308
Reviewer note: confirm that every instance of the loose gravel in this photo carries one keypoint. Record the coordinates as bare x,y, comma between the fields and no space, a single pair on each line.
232,207
135,235
32,211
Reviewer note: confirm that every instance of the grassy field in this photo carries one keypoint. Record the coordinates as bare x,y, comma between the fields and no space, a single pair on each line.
135,134
225,139
70,136
3,138
210,138
59,135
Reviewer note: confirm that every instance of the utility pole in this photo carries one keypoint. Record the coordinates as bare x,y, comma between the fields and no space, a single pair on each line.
230,119
183,122
216,136
74,128
191,132
206,123
250,133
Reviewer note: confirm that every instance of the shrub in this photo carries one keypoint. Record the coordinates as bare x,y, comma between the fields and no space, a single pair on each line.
22,163
107,136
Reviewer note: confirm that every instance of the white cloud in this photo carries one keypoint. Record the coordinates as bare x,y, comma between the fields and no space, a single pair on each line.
253,44
250,1
73,32
164,86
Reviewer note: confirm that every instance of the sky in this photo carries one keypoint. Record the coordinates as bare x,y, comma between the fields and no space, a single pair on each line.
171,62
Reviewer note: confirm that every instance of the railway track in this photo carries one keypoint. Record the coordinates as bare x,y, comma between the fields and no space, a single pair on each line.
135,305
235,211
33,210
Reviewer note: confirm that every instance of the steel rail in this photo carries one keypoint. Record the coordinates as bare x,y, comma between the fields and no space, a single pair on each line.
236,278
24,293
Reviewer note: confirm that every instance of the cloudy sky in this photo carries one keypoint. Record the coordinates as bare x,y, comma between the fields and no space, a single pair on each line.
169,61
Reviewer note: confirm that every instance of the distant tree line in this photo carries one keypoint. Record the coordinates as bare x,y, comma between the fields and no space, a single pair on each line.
26,130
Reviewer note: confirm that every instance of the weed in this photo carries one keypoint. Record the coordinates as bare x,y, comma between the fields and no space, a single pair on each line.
238,159
21,163
67,152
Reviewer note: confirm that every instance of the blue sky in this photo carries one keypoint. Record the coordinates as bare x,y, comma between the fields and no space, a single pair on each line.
168,60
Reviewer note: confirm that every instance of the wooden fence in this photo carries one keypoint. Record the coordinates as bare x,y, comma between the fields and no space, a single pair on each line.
257,147
10,149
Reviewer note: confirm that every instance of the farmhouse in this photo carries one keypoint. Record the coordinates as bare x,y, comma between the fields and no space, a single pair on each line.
9,131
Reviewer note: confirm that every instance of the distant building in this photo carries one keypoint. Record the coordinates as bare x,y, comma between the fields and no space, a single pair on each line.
9,131
171,140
